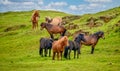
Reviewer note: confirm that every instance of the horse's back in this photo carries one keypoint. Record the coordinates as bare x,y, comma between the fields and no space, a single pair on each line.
57,29
42,42
90,40
56,21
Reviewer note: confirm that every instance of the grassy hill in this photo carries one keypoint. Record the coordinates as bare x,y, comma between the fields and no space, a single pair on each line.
19,44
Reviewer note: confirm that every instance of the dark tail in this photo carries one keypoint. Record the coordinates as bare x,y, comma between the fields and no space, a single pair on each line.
64,32
65,52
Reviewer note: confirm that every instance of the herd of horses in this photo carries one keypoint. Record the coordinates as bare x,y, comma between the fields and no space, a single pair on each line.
63,44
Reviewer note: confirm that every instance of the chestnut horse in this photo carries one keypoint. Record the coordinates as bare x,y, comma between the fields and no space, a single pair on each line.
54,21
53,29
58,47
92,40
34,19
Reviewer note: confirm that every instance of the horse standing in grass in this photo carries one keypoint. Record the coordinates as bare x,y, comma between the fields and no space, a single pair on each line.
92,40
58,47
54,21
45,43
35,17
75,46
53,29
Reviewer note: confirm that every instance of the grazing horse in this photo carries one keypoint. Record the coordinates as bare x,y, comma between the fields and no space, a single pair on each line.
53,29
75,46
35,17
54,21
45,43
91,40
58,47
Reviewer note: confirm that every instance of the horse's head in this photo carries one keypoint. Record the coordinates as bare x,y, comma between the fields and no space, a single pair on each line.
80,38
43,25
51,40
48,19
101,34
65,40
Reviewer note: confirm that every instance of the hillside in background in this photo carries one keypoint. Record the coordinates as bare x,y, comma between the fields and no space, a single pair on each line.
19,44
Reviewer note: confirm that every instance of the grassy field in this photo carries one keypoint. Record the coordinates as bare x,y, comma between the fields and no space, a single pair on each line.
19,44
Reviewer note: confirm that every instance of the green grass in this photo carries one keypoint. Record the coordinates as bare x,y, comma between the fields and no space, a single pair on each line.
19,47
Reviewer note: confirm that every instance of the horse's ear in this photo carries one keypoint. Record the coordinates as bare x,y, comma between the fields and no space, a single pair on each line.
66,37
100,33
81,35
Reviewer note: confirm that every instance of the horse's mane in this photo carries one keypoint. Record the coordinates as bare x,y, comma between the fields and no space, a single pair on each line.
97,33
78,38
48,25
35,13
63,40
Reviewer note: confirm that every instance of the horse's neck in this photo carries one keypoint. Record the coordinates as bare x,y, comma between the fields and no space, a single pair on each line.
48,26
62,43
96,36
77,40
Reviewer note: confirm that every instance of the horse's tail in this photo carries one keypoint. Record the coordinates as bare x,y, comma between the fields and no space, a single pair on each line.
65,52
64,32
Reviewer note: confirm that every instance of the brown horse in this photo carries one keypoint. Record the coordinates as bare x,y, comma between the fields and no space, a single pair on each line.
53,29
54,21
34,19
91,40
58,47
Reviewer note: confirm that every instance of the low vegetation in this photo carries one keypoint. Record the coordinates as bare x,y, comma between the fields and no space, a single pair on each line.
19,44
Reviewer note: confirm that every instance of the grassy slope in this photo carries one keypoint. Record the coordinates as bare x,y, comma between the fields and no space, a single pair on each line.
19,48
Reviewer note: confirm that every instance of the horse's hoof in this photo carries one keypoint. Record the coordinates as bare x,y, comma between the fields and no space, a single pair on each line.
91,53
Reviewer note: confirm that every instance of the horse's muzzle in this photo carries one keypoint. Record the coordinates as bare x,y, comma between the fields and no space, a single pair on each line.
103,37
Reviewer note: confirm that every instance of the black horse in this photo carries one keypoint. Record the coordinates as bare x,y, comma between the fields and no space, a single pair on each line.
74,45
45,43
92,40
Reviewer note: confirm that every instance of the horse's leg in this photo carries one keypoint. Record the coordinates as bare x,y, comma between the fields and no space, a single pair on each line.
32,25
41,52
69,53
64,32
53,58
45,52
51,35
49,52
92,49
58,55
74,54
37,24
61,55
78,54
80,48
78,51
